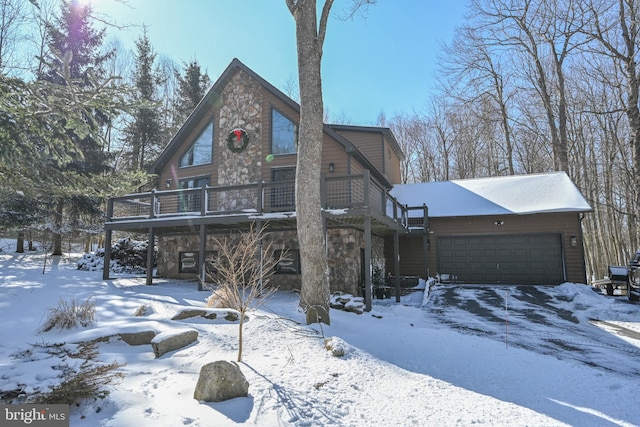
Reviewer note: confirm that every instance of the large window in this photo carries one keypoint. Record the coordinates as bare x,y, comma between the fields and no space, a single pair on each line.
201,151
192,201
284,134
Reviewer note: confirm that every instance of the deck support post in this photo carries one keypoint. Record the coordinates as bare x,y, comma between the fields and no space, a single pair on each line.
425,251
396,262
367,262
106,268
202,257
150,251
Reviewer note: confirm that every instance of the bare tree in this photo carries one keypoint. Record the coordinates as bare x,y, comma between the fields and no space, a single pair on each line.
544,33
473,73
616,28
410,133
310,34
241,274
13,16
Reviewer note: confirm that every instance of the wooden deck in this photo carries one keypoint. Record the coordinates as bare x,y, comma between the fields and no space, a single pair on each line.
345,199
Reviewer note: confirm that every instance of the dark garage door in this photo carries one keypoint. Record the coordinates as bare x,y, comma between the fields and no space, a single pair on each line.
533,259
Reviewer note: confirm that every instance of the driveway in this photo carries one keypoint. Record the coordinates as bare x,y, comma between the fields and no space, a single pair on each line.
568,321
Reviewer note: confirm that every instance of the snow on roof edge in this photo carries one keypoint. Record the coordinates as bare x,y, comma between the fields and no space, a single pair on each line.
505,195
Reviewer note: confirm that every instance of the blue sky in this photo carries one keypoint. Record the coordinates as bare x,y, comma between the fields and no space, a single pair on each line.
382,60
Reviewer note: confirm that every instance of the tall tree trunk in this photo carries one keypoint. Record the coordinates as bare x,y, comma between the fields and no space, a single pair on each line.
315,278
57,233
20,242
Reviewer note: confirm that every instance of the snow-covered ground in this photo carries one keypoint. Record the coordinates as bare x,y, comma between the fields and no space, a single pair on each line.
541,356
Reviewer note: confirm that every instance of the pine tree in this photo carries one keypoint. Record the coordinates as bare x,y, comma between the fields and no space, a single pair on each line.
74,58
192,86
144,133
73,36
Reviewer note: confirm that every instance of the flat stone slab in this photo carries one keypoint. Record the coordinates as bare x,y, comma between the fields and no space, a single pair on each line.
208,313
137,338
168,341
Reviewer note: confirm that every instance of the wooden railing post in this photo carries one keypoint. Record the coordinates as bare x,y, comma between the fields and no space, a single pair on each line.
205,200
153,201
109,209
425,218
395,210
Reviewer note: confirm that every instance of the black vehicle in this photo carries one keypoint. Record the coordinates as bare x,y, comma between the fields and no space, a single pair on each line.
629,275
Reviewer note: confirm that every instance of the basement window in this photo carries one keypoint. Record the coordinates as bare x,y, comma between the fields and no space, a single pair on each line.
188,261
290,262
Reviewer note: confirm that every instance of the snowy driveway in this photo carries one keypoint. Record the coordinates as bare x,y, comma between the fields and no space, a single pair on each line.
569,321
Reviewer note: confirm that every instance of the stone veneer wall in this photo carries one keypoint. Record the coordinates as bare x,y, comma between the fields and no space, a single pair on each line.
241,108
344,257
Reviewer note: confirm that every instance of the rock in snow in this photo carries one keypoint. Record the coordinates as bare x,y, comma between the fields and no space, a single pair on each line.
220,381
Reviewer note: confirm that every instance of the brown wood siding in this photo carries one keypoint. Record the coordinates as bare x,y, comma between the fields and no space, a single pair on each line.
565,224
356,167
368,143
411,256
392,164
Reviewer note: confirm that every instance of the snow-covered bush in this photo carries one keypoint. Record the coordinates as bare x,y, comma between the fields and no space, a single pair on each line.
62,373
127,256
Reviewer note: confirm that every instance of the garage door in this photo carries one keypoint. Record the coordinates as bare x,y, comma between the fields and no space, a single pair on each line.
533,259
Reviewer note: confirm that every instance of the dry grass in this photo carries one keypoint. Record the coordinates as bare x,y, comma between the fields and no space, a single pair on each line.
69,314
87,383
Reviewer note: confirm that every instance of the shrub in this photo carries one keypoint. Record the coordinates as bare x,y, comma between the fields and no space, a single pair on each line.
69,314
77,375
86,383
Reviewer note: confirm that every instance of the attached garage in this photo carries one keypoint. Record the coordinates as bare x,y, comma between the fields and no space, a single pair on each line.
521,230
528,259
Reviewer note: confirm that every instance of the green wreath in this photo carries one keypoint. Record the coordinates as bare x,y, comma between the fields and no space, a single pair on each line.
237,140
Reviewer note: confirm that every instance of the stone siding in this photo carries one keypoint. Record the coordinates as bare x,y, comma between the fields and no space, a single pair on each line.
241,108
344,257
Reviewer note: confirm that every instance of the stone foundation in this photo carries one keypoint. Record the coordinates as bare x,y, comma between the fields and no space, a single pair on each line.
344,250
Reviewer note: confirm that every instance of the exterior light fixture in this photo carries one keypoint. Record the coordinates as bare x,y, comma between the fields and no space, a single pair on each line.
574,241
169,183
331,167
498,223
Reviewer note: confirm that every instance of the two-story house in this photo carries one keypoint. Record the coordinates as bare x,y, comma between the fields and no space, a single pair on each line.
232,164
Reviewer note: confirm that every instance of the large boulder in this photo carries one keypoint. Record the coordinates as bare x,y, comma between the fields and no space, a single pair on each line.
172,340
220,381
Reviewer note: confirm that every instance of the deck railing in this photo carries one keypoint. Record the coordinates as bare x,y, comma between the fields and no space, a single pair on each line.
345,192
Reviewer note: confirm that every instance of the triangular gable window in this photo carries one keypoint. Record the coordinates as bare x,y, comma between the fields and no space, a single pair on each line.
201,151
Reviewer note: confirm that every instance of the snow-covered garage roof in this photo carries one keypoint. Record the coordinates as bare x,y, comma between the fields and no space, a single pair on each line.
518,194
